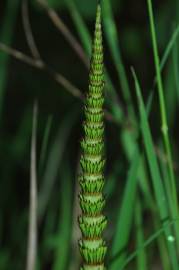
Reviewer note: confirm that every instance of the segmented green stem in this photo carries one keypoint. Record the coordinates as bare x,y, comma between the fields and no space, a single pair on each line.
92,222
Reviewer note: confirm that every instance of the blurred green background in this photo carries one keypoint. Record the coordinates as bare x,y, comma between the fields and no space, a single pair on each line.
60,118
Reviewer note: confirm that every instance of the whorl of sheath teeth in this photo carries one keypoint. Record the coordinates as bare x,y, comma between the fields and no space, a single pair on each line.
92,222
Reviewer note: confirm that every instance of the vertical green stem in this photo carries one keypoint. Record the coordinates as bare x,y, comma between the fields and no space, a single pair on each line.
65,223
92,222
173,200
142,257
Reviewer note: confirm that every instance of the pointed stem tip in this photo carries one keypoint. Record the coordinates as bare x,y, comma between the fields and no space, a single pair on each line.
98,15
99,3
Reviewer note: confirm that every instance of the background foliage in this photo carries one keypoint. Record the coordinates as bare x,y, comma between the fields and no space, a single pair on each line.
137,173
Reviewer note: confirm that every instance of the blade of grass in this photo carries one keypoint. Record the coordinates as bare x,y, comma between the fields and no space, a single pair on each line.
147,242
45,141
164,127
150,204
142,256
131,149
55,158
124,216
169,47
163,250
176,69
170,94
32,234
165,262
65,221
155,174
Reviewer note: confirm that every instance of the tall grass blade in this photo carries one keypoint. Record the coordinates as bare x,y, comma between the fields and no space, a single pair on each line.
138,171
142,256
45,141
169,47
164,127
147,242
54,159
172,92
159,191
176,69
63,236
165,262
32,234
124,216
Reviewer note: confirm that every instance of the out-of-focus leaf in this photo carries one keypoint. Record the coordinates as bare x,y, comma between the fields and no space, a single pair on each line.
55,157
125,215
159,191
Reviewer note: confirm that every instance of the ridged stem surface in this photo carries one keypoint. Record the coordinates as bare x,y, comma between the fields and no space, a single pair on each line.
92,222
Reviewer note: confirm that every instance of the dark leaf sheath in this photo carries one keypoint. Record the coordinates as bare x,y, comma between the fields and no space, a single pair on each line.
92,222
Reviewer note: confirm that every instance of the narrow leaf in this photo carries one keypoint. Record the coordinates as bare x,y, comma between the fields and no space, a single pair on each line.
32,234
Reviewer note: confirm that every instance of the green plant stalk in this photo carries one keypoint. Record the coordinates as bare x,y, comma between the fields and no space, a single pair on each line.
176,69
156,176
44,146
124,215
55,159
85,37
142,256
171,44
174,204
92,222
147,242
65,222
165,263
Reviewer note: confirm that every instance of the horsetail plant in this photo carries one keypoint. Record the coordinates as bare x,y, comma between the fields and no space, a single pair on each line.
92,222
